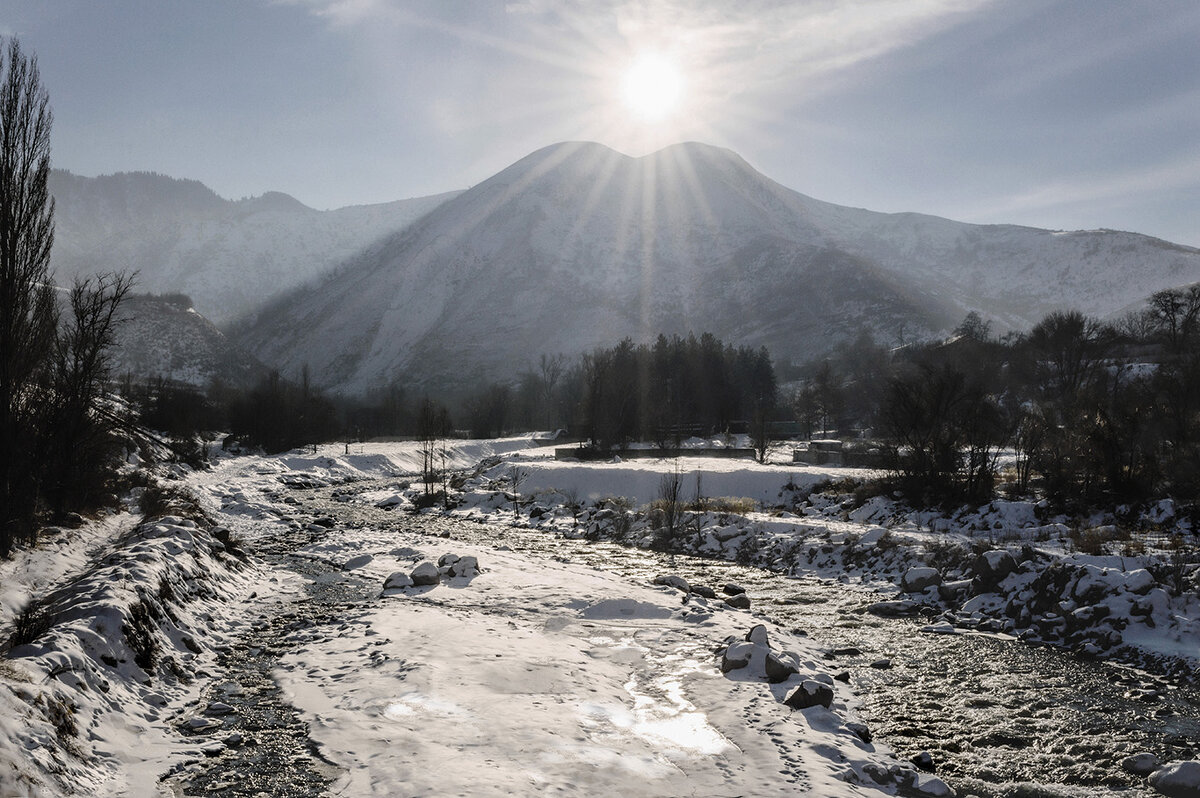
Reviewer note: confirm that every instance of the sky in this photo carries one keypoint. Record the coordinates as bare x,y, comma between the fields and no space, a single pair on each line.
1064,114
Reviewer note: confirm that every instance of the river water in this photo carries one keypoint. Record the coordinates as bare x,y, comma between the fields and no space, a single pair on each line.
999,718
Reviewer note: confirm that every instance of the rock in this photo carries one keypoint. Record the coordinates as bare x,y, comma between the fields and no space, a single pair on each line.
425,574
844,676
932,786
203,724
219,708
872,536
991,567
670,580
706,592
1177,779
884,664
739,601
465,567
758,634
844,651
357,562
894,609
447,559
398,580
923,761
1142,764
810,693
737,655
732,589
918,578
235,739
780,667
862,731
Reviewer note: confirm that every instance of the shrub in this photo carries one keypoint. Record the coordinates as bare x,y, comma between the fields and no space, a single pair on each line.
33,620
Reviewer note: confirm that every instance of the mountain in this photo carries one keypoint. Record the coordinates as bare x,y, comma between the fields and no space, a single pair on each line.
229,256
577,246
164,336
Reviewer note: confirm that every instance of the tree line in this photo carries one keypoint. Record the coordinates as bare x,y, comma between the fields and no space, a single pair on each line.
1094,413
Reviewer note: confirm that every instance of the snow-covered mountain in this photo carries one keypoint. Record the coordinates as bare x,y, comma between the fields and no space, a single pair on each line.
576,246
164,336
229,256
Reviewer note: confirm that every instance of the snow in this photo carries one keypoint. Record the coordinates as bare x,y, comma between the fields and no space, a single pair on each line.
511,672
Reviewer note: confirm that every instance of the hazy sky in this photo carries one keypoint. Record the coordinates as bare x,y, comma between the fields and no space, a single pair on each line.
1054,113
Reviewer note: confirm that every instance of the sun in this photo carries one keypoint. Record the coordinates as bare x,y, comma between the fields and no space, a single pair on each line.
652,88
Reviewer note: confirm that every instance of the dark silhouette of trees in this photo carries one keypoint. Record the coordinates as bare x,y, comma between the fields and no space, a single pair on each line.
55,430
277,415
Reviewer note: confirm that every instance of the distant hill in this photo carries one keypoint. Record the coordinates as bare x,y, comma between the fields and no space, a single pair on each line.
229,256
577,246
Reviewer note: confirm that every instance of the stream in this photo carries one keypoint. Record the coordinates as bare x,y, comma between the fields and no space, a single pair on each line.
1001,719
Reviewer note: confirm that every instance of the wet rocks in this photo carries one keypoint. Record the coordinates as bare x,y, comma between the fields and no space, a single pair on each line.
1177,780
810,693
923,761
732,589
860,730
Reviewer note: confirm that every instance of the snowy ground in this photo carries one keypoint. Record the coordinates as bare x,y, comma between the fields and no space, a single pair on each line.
532,676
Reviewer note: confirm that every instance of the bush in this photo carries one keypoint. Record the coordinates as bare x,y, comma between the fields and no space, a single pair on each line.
33,620
139,634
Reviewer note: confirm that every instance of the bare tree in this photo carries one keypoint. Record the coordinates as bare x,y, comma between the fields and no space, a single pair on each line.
28,312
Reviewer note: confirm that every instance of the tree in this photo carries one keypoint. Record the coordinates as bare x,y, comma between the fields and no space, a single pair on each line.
28,312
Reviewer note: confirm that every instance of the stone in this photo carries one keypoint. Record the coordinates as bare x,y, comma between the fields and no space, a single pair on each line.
1177,779
932,786
810,693
670,580
739,601
733,589
1142,764
736,655
902,608
780,667
465,567
758,634
918,578
425,574
398,580
447,559
861,730
923,761
884,664
219,708
844,676
706,592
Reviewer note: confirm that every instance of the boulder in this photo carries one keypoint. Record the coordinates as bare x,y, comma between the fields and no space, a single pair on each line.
706,592
732,589
780,667
1178,779
739,602
425,574
1142,764
861,730
932,786
465,567
991,567
736,655
810,693
758,634
447,559
918,578
397,580
670,580
923,761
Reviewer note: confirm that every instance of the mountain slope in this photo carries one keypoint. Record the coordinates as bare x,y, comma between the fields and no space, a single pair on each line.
230,257
576,246
163,336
